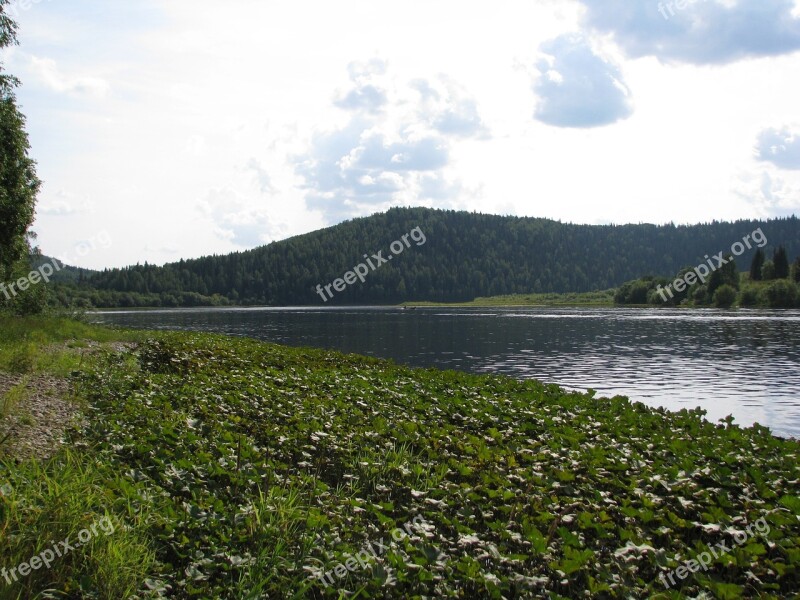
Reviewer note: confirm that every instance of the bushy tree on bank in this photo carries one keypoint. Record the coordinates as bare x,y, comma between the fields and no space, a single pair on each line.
757,265
727,274
19,186
722,289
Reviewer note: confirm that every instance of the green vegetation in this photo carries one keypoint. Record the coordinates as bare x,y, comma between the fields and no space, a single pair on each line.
725,287
18,188
466,256
601,298
238,469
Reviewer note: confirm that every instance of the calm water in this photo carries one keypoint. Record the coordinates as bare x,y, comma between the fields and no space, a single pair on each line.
740,363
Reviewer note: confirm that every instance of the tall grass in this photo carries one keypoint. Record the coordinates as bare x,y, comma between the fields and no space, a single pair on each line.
54,502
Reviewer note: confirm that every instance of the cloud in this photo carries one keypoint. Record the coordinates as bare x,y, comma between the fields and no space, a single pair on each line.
56,208
47,71
367,97
578,88
396,155
769,193
262,177
781,147
448,109
63,204
358,169
237,219
701,32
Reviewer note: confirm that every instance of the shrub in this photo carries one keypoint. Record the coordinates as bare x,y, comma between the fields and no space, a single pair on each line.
750,296
700,295
768,271
782,294
724,296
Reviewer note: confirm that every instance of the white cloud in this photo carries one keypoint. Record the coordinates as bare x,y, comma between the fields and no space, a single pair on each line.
579,88
396,155
781,147
147,107
49,74
238,219
770,193
698,31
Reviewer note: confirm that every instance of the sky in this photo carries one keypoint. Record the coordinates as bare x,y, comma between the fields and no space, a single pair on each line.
175,129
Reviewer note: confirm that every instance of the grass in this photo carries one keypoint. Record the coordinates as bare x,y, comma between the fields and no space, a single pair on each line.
62,501
599,298
50,345
239,469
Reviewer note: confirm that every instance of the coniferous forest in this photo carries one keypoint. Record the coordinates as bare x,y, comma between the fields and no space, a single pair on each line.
465,255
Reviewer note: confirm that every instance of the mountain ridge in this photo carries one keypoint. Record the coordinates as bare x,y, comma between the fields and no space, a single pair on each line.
465,255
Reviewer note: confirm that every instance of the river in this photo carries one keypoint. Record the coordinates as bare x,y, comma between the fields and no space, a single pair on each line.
744,363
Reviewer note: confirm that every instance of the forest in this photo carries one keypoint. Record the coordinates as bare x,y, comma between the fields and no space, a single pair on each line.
466,255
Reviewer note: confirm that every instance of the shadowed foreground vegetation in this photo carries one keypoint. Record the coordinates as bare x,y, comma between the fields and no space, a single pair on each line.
239,469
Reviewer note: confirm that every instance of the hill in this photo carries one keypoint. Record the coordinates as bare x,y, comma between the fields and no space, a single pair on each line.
463,256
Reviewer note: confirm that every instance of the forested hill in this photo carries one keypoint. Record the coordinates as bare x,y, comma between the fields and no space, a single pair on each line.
465,255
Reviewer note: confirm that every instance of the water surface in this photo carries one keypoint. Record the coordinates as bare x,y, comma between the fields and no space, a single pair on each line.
744,363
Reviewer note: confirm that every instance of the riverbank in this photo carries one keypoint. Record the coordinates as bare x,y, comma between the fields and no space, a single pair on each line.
585,299
238,469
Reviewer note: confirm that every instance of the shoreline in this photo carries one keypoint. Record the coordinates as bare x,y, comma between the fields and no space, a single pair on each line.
309,454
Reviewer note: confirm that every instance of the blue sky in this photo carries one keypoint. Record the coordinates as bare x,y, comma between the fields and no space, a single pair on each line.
182,128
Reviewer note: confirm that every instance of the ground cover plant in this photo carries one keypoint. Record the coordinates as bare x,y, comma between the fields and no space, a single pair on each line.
250,470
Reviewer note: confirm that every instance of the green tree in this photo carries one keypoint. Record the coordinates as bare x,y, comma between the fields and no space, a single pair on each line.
726,274
18,181
796,270
782,294
756,265
749,296
724,296
768,271
781,261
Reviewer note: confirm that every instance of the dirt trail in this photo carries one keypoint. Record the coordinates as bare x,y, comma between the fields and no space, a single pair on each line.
36,424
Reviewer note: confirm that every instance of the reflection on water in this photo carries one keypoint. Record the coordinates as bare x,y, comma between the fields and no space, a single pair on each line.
744,363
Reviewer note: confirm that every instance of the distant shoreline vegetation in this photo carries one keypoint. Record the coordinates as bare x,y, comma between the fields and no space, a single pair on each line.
467,256
768,284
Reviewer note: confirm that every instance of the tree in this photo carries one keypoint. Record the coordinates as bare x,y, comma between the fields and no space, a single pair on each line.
781,261
18,182
726,274
781,294
749,296
768,271
796,270
756,265
725,296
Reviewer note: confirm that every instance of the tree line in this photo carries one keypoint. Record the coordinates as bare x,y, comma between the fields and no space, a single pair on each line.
467,255
770,283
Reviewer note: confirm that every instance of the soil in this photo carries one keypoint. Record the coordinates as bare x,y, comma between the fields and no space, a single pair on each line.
35,427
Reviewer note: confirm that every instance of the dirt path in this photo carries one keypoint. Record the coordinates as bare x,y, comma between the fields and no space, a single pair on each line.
45,409
36,424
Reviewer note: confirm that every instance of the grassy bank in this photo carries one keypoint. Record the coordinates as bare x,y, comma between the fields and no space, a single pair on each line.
237,469
600,298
